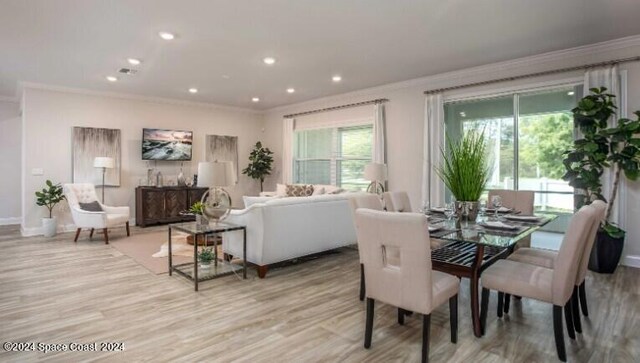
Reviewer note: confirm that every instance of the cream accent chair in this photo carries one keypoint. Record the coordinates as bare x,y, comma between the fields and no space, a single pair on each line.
547,259
397,202
554,285
520,200
110,217
410,285
366,201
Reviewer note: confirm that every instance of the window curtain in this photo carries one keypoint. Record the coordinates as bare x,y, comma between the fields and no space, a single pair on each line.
432,187
287,150
379,150
608,77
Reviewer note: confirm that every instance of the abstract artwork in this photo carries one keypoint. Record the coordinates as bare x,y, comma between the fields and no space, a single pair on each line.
222,148
166,144
89,143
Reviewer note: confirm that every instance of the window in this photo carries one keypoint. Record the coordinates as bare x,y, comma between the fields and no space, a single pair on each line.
527,133
334,156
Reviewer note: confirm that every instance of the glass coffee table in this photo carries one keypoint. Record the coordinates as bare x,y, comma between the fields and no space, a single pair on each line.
471,248
219,267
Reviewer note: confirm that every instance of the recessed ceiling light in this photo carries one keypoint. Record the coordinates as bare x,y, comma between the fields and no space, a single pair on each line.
269,60
193,90
255,99
336,78
112,78
166,35
290,90
570,93
134,61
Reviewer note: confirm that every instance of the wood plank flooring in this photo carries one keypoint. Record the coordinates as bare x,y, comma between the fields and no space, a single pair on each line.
55,291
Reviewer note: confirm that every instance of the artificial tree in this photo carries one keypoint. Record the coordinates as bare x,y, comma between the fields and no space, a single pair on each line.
50,196
260,161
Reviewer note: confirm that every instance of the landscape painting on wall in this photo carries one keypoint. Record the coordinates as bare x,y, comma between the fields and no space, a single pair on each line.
222,148
173,145
89,143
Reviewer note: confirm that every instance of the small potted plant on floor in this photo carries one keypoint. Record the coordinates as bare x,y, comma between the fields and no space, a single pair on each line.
197,209
205,256
601,148
49,197
260,160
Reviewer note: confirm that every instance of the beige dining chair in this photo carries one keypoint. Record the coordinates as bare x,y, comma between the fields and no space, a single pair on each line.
367,201
397,202
547,258
408,283
551,285
520,200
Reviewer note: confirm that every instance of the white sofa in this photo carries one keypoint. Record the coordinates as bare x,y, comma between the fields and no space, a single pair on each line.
286,228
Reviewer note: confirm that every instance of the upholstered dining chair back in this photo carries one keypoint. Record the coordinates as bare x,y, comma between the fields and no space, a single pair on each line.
367,201
407,283
566,264
80,193
600,208
397,202
520,200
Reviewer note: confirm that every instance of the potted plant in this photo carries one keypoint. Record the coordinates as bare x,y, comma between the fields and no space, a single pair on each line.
260,160
465,171
205,256
616,148
49,197
197,209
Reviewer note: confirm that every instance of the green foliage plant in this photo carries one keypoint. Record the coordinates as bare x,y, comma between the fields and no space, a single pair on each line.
206,255
465,168
197,208
50,196
260,162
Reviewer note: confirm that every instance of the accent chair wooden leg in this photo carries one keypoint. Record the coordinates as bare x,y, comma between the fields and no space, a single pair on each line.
362,286
106,235
77,235
426,329
91,233
507,302
558,332
484,305
401,314
453,318
368,330
227,257
575,310
500,303
568,317
128,231
582,293
262,271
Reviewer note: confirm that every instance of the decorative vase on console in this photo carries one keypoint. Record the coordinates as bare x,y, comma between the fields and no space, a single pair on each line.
181,181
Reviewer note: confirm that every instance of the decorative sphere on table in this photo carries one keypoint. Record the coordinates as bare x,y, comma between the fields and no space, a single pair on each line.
217,204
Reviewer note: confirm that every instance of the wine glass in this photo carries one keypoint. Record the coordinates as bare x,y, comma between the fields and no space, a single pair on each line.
449,211
482,208
496,203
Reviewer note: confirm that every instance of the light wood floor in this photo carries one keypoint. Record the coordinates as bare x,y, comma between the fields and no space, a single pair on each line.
55,291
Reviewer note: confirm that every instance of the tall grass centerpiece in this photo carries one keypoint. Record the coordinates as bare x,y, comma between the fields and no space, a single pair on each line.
465,170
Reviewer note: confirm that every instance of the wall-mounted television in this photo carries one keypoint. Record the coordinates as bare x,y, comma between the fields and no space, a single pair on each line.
158,144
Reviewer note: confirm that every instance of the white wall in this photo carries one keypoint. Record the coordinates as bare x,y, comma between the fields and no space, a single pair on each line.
406,108
10,130
49,117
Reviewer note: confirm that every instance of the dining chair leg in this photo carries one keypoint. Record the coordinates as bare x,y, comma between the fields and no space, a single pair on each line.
575,310
362,288
426,329
453,318
558,332
401,314
507,302
568,317
77,235
582,293
368,331
500,302
484,305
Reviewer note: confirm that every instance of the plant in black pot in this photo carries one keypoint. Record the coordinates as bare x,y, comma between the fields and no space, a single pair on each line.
601,147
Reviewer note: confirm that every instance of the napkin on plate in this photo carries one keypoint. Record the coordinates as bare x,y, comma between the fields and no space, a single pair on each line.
500,210
497,225
434,228
437,209
523,218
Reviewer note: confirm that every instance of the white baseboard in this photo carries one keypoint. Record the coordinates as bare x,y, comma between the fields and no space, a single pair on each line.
10,221
62,228
631,261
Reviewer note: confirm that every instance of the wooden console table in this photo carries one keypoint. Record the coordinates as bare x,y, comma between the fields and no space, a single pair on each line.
163,205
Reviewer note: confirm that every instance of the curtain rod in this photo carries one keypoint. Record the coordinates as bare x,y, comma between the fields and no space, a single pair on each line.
537,74
379,100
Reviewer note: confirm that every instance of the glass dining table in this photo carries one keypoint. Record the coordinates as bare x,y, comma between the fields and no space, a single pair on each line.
470,248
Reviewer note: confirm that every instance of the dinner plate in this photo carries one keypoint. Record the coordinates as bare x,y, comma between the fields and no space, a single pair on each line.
434,228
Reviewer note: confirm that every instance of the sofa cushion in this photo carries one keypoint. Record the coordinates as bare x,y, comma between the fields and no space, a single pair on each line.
299,190
249,200
318,190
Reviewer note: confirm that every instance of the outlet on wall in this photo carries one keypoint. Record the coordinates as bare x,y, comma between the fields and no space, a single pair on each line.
37,171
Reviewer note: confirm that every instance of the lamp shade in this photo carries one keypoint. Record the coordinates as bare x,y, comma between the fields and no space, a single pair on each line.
375,172
103,162
216,174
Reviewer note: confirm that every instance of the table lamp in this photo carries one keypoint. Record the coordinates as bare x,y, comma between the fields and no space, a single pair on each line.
215,176
376,173
104,163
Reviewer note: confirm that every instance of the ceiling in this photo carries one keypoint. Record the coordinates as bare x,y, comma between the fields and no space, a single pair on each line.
220,45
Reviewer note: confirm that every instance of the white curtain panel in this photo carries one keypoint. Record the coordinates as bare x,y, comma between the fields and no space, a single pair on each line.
608,77
432,187
379,151
288,125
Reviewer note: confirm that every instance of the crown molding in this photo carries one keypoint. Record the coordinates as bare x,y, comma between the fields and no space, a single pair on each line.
9,99
22,85
514,64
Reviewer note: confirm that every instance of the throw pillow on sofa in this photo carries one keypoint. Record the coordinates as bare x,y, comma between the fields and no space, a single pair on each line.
299,190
